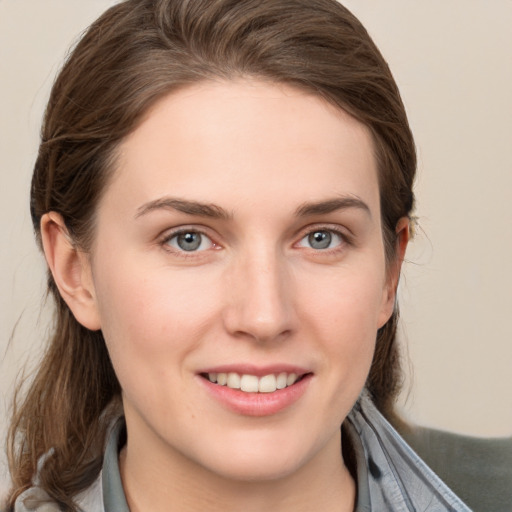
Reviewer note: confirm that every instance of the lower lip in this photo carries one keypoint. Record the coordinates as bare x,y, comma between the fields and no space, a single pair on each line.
257,404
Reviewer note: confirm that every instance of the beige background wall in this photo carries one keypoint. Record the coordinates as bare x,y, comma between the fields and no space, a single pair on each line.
452,61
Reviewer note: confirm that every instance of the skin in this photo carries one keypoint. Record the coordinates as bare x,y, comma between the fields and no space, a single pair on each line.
255,292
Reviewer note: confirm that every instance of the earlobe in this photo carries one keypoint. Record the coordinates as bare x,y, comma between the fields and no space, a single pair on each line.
389,297
70,269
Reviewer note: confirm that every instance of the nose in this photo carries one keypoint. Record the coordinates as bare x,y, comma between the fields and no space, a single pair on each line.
259,303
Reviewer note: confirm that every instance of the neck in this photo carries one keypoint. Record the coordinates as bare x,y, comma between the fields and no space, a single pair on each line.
159,481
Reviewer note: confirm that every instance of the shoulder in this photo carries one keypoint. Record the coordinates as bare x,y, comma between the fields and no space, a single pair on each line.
395,477
105,492
36,499
479,470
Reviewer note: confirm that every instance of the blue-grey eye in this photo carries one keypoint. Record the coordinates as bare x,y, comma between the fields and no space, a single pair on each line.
321,239
190,241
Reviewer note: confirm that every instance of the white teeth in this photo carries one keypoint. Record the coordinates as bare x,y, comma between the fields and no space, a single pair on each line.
281,381
249,383
267,384
233,381
292,377
253,384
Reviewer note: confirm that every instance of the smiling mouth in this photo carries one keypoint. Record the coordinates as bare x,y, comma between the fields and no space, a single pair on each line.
252,383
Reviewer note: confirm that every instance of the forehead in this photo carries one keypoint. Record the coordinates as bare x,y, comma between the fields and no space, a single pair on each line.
239,141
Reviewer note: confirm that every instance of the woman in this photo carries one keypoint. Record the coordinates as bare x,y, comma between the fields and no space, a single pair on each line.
222,192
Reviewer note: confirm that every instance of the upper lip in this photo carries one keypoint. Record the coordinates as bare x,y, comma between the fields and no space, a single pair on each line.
258,371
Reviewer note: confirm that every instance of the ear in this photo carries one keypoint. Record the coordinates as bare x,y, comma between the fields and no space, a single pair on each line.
71,270
389,294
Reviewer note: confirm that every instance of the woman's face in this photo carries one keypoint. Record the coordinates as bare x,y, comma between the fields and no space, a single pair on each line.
240,239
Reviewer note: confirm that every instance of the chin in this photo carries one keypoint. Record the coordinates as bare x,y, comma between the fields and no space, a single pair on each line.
258,460
251,470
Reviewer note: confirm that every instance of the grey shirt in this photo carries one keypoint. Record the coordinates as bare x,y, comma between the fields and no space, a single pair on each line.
390,476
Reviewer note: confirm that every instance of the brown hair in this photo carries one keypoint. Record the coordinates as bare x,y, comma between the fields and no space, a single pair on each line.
135,53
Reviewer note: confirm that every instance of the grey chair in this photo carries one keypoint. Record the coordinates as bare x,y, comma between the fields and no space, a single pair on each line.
478,470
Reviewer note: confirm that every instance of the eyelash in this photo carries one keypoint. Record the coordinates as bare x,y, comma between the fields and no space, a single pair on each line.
344,238
166,239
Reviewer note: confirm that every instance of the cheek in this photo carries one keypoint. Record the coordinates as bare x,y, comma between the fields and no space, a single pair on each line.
346,299
148,311
150,327
345,313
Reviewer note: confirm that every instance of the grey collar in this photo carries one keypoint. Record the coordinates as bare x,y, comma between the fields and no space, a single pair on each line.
396,479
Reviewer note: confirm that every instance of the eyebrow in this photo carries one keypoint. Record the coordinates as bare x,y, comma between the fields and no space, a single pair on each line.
216,212
189,207
332,205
